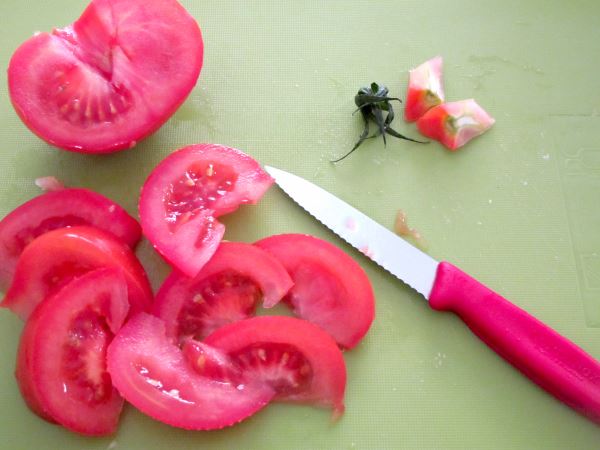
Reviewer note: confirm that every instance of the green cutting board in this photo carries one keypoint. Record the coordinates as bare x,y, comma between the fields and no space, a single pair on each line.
518,207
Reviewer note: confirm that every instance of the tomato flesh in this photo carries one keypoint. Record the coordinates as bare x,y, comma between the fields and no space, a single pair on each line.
61,363
185,193
297,359
59,209
456,123
330,288
56,258
109,79
152,374
282,366
211,362
224,298
228,288
199,188
425,89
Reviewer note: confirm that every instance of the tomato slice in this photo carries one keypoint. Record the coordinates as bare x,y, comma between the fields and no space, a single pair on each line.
151,373
61,363
330,288
425,89
187,190
57,257
58,209
228,288
297,359
456,123
109,79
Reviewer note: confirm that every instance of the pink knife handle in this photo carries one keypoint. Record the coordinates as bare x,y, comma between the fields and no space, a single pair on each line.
543,355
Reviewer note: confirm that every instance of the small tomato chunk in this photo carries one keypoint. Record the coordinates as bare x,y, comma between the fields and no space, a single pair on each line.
456,123
425,89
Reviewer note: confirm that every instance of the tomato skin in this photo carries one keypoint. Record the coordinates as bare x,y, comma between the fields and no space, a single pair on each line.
55,257
111,78
152,374
330,288
187,190
455,123
328,382
425,89
44,361
246,262
57,209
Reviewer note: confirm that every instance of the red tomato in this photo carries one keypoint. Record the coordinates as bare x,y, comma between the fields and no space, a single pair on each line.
425,89
297,359
228,288
109,79
330,288
58,209
456,123
57,257
187,190
151,373
61,364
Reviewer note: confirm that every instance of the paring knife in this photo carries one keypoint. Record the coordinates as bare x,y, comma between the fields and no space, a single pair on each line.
547,358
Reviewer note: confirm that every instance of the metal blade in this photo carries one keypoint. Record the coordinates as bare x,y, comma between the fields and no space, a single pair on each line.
401,259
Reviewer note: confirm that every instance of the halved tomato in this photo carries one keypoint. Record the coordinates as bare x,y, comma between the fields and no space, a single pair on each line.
425,89
456,123
151,373
297,359
109,79
330,288
187,190
58,209
61,364
227,288
59,256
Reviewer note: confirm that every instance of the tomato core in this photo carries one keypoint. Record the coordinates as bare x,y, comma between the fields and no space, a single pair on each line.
85,97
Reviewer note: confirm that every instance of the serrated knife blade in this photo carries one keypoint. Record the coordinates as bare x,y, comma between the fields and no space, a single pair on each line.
547,358
397,256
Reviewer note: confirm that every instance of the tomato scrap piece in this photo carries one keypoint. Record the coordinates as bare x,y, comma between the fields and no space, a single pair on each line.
152,374
455,123
296,358
185,193
425,89
330,288
111,78
58,209
61,363
57,257
227,288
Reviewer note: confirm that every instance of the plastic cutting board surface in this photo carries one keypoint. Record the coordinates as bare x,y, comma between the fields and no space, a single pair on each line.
517,208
